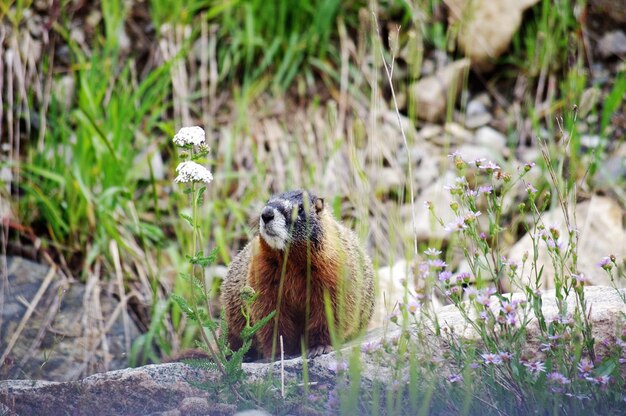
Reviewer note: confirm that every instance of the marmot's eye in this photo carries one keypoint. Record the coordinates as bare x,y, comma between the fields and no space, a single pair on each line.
300,209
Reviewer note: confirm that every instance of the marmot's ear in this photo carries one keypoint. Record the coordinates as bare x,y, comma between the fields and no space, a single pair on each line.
319,204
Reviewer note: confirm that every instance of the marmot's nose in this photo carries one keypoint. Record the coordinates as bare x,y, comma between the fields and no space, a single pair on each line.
267,215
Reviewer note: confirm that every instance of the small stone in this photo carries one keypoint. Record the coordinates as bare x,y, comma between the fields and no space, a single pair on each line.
590,141
612,43
432,95
430,131
477,120
490,138
427,228
471,152
461,134
428,67
592,119
476,113
475,107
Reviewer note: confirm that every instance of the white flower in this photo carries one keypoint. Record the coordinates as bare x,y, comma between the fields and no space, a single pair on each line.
189,135
192,172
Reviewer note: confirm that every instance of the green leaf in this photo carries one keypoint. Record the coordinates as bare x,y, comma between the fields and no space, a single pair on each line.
204,261
249,332
184,306
187,218
201,363
199,196
606,368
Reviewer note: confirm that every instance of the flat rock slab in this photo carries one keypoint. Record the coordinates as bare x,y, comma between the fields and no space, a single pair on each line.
139,391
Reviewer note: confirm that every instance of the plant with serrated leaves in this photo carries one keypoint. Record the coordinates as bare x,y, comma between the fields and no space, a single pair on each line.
198,309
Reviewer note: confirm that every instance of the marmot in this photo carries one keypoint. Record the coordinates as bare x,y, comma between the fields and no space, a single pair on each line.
301,256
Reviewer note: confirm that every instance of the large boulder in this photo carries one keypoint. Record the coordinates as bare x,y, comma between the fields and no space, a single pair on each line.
52,328
600,224
486,28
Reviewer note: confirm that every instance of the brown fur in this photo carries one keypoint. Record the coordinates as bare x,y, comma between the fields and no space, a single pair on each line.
339,267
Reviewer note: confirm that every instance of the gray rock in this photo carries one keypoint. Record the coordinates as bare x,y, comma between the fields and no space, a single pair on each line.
427,228
477,120
432,94
458,133
605,306
590,141
429,131
486,27
600,233
490,138
612,43
471,152
149,163
140,391
61,340
476,113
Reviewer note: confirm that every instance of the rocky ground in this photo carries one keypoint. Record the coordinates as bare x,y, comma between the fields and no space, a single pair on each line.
167,389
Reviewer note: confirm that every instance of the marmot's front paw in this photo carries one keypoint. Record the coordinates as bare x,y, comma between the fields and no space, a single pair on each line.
319,350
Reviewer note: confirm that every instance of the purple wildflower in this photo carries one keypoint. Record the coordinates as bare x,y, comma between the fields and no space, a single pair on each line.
485,189
580,278
370,347
507,307
489,166
437,263
464,277
600,380
535,367
413,306
492,359
605,263
457,225
510,319
455,378
585,366
558,378
445,276
478,161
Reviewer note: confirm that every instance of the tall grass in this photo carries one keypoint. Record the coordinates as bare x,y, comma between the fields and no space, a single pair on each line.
83,183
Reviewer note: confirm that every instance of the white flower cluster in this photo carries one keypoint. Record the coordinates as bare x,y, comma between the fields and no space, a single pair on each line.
192,172
189,135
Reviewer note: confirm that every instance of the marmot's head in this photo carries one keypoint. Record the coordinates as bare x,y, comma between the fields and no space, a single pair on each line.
291,218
